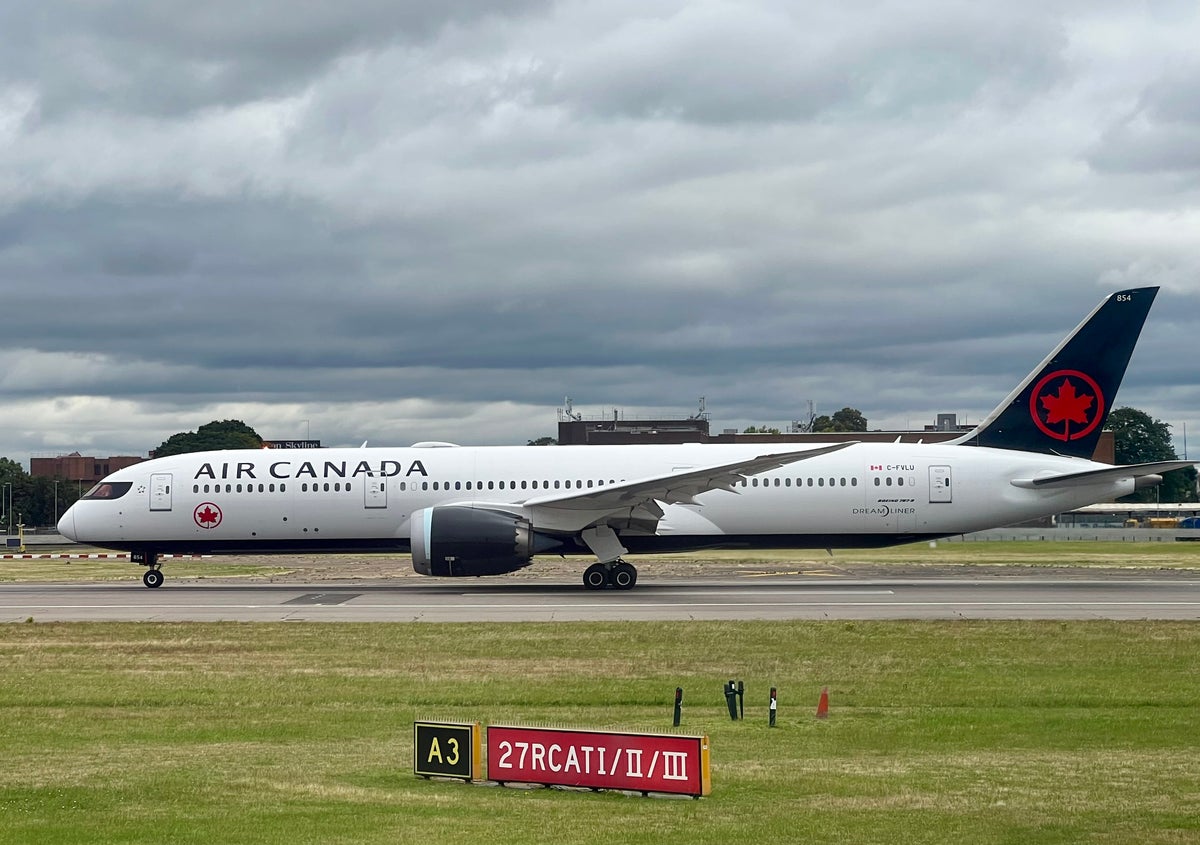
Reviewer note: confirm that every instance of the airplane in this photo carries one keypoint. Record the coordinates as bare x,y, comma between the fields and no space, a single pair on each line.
475,511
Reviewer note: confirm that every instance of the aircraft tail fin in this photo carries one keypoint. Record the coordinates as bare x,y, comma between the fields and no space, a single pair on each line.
1061,406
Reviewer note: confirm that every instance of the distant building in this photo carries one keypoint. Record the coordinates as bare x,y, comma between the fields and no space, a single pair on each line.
82,468
594,432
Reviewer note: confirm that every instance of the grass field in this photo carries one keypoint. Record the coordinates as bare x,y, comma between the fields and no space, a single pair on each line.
988,732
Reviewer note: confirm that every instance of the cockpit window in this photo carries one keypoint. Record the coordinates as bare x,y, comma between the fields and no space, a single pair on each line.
108,490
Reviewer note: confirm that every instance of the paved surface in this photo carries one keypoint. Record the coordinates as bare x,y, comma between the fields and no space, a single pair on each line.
761,596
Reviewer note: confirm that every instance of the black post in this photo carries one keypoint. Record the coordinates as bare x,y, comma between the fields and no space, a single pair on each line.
731,699
774,706
741,700
678,705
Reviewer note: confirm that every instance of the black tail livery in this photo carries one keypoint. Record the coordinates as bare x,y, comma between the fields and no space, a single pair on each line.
1061,406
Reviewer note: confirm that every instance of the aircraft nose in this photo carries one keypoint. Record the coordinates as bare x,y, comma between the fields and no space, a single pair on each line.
66,525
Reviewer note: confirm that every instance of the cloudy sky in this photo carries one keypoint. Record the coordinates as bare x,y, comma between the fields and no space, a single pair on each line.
383,221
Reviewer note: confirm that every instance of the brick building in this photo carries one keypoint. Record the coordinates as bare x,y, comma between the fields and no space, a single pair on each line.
82,468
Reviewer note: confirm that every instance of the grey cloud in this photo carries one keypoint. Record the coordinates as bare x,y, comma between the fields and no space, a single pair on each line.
723,63
390,215
166,59
1162,134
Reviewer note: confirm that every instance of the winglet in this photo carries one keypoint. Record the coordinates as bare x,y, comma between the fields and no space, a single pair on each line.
1061,406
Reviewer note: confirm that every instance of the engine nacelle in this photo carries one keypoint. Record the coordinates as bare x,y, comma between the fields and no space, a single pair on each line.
460,540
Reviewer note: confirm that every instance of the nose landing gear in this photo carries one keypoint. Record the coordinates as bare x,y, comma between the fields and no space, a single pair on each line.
153,576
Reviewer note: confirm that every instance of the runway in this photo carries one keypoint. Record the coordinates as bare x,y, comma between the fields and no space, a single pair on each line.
478,600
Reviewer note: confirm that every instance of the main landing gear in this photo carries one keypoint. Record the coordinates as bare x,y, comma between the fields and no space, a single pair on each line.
618,574
609,570
153,576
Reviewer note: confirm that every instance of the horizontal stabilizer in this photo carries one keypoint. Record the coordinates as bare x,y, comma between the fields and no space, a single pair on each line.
1100,476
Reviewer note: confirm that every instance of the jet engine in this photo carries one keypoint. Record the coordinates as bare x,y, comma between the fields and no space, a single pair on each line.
461,540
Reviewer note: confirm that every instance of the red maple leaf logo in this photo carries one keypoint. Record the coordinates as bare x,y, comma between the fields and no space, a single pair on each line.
1067,405
1074,414
207,515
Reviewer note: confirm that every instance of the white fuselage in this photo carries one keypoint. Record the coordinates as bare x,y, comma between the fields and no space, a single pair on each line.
868,494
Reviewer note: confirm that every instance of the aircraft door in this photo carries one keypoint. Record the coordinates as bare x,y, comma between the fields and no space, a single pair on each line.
160,491
375,491
940,489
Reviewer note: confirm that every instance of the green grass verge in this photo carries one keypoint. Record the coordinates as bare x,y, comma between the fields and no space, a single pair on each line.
983,732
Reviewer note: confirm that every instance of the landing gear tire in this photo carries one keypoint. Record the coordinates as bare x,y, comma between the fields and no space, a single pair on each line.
595,577
152,578
623,576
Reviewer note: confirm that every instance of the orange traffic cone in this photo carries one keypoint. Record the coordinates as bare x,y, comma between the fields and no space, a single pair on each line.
823,704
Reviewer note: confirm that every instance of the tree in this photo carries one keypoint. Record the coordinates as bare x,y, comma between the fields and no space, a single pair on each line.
1139,439
847,419
760,429
226,434
543,441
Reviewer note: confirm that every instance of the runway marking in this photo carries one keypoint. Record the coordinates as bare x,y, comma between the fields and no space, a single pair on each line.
822,573
323,599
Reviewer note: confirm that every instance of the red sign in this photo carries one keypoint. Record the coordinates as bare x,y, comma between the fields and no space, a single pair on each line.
599,760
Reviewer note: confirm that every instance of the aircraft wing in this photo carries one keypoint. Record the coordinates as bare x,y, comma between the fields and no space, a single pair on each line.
1098,476
576,509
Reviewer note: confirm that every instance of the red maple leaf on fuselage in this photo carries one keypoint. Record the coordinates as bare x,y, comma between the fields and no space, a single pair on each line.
207,515
1067,405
